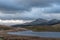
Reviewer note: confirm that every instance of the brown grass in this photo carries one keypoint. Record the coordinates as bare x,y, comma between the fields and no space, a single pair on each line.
53,28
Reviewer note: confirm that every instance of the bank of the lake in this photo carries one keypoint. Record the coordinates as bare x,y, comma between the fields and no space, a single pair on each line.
46,28
37,34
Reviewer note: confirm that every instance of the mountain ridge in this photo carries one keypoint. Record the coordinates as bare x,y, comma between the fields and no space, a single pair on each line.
40,21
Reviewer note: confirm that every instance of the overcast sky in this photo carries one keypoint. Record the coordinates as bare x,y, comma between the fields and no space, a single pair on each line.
29,9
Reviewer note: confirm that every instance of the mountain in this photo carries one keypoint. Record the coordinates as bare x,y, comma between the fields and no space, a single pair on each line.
53,22
36,22
40,22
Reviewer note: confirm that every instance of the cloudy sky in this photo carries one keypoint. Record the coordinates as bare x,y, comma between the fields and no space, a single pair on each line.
29,9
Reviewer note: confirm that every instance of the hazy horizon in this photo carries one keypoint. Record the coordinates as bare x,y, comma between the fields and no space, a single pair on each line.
14,22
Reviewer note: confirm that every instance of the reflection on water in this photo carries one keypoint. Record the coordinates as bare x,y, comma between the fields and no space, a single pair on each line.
38,34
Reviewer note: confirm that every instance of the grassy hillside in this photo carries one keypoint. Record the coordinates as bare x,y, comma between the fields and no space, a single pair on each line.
53,28
3,27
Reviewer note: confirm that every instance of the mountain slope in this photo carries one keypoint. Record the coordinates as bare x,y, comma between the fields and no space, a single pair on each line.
40,22
36,22
53,22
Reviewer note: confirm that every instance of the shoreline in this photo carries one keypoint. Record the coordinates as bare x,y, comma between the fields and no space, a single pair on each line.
14,37
3,33
8,37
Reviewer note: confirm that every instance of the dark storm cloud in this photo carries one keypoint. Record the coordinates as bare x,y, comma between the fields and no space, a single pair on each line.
29,9
12,5
25,5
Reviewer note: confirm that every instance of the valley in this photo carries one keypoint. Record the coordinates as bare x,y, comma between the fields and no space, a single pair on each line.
30,31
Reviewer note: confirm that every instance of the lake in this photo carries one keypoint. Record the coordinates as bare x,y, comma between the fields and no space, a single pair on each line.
37,34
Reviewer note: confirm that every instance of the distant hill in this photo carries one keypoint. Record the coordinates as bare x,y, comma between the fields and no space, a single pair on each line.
36,22
53,22
4,27
57,25
39,22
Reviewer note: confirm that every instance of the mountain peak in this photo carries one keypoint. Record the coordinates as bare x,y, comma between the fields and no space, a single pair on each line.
40,20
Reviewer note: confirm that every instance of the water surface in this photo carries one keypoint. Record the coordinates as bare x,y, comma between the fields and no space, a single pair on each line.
38,34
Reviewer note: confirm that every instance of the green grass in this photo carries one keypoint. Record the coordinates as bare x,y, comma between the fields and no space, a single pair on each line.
1,39
44,28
